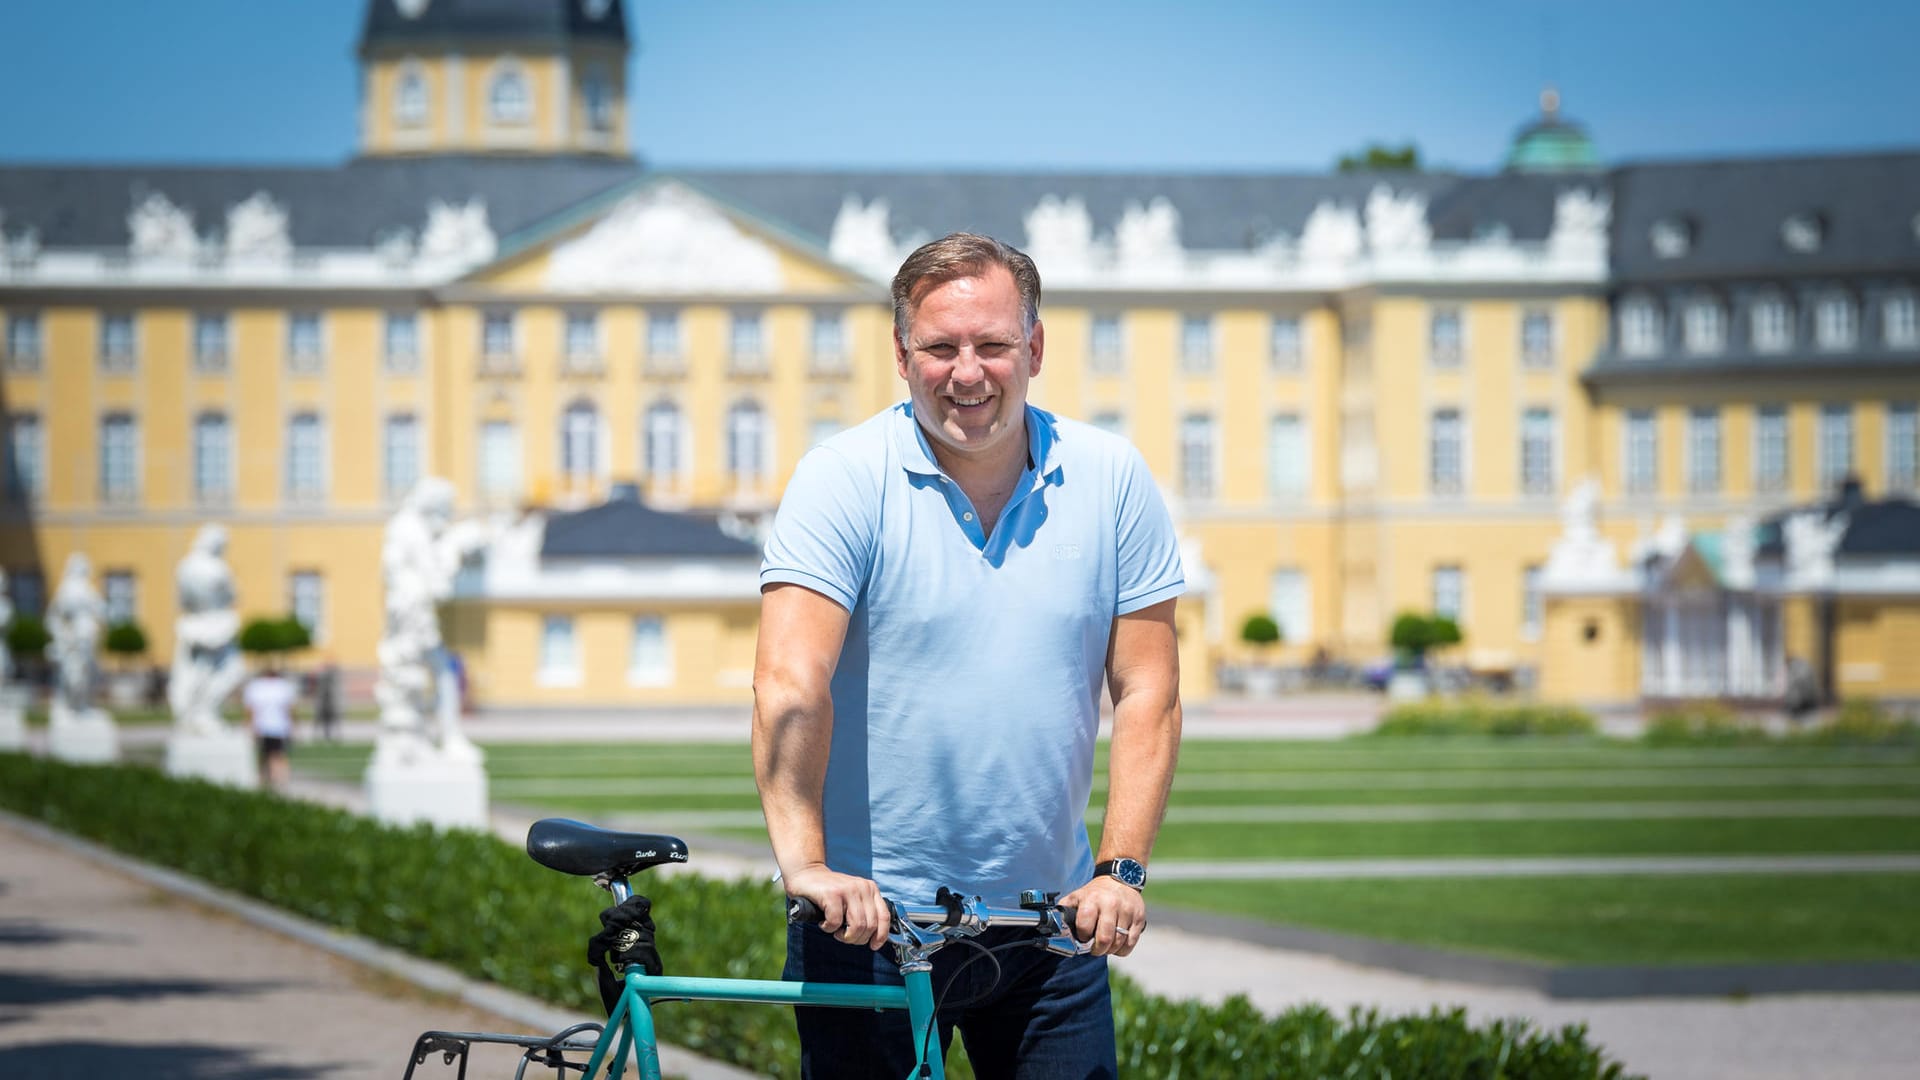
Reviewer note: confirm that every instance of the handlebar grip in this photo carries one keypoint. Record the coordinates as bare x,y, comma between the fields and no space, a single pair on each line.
801,910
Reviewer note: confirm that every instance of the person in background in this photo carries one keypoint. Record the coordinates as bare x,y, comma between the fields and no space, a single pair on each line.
269,698
326,701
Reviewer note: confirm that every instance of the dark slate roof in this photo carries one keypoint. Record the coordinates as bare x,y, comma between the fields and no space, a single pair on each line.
1217,211
452,22
349,205
1890,527
1735,209
625,527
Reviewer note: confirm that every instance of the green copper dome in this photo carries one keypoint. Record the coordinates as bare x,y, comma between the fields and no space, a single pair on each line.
1551,144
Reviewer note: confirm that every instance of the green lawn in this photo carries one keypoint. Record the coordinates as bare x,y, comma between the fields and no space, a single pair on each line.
1869,801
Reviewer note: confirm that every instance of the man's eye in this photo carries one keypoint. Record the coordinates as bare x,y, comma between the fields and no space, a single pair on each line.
943,352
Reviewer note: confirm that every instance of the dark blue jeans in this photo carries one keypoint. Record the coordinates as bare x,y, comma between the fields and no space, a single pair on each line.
1048,1017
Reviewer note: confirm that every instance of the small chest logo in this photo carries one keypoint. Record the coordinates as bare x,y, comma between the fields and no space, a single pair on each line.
1063,552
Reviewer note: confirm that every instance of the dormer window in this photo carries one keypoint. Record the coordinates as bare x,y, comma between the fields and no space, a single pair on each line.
1803,233
410,97
1836,324
509,101
1772,324
596,95
1706,326
1899,324
1639,328
1672,238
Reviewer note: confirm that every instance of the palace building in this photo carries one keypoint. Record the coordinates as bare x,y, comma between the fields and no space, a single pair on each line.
1362,393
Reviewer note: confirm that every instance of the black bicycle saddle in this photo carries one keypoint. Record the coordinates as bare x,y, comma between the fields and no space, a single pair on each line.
575,847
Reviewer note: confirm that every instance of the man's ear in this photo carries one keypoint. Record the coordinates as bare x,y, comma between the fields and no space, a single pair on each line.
899,355
1036,345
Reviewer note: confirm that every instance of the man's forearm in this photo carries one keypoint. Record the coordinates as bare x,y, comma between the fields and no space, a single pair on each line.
792,734
1140,763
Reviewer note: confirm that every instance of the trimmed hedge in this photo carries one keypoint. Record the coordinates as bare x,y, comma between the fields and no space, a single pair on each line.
1859,722
478,904
1482,718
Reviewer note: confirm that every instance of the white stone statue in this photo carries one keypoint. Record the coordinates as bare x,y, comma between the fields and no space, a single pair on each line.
75,620
862,237
1582,561
457,232
207,664
1060,234
6,621
1577,513
665,238
418,561
160,230
257,230
1147,238
1397,224
1332,234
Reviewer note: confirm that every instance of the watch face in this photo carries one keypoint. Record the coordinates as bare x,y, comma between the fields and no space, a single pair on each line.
1130,873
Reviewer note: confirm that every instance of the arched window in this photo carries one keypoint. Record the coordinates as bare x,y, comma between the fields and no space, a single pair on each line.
662,438
410,96
747,445
509,99
596,96
580,444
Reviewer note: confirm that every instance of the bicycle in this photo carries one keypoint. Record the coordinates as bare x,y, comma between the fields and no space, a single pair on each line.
611,858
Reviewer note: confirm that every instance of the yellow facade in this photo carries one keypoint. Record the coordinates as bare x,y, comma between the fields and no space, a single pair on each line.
496,101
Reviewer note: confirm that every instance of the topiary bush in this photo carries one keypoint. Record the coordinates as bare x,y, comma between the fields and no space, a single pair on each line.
125,639
28,636
262,636
478,904
1472,717
1260,630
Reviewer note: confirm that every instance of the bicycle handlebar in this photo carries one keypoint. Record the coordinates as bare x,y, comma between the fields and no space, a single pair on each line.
801,910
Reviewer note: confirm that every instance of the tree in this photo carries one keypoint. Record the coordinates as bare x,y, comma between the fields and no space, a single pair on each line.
1413,634
126,640
267,637
1260,631
27,636
1379,157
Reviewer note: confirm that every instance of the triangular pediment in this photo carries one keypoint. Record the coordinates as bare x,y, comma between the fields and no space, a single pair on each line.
664,237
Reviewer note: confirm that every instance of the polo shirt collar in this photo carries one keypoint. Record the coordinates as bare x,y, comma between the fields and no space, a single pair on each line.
916,455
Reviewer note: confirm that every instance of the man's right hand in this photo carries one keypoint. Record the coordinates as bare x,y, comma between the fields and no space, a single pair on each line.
852,909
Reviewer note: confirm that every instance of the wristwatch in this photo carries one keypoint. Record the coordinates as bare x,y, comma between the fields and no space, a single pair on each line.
1126,871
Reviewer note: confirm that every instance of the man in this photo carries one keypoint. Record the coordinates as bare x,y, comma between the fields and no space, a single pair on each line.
269,699
944,590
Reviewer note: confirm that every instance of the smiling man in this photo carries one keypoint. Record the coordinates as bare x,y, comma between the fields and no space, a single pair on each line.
945,590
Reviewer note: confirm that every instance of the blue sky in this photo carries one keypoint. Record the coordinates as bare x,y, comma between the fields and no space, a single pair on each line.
992,84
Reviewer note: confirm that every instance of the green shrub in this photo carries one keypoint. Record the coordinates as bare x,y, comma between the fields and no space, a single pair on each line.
1470,717
478,904
1702,723
1862,722
126,639
270,636
1413,634
1260,630
28,636
1859,722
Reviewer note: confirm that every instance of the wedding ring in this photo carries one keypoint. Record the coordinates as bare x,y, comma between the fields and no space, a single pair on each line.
1128,930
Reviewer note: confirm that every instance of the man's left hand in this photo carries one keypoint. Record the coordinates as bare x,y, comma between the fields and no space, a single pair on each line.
1110,915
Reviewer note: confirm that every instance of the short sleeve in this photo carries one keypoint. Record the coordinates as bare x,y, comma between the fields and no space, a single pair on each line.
1149,556
823,533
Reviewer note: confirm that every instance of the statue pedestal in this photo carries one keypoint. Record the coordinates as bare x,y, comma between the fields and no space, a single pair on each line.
86,738
13,719
421,784
219,757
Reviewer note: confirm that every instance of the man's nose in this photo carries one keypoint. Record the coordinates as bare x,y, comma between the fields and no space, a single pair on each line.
967,365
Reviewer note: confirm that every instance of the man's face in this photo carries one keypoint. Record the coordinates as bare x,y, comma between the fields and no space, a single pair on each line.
967,360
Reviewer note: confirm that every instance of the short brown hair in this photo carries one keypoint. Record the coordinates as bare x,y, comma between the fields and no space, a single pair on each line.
961,255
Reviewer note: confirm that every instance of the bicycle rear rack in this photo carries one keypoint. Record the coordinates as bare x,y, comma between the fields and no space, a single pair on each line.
547,1051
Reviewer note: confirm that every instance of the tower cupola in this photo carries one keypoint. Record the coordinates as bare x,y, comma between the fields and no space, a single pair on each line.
1551,143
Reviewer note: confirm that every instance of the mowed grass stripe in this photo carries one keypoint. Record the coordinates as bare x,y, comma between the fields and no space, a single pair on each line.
1544,796
1599,920
1267,780
1737,836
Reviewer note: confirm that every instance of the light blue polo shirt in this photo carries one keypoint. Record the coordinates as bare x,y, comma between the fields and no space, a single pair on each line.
967,697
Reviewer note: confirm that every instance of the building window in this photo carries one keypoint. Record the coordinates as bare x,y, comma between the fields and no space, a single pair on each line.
119,458
210,342
1836,324
1533,605
403,342
1536,452
559,659
1899,326
23,342
747,343
650,661
1642,452
829,341
28,590
402,454
116,343
1445,337
1286,456
1196,456
663,341
509,101
499,460
410,97
580,445
212,458
497,351
580,346
596,96
1287,347
26,457
1111,422
1639,328
1291,605
307,601
823,428
1450,592
1802,233
1770,460
306,459
1446,452
1106,345
1772,325
1836,445
117,590
1705,328
1903,447
1196,344
1671,237
663,440
747,446
1536,338
304,348
1703,450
